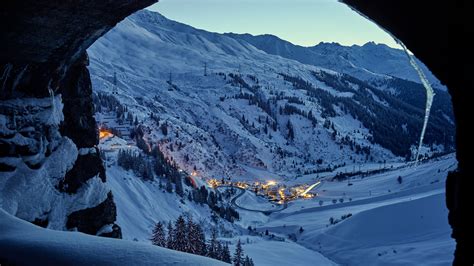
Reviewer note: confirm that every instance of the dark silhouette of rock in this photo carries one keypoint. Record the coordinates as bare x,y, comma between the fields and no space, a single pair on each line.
436,32
43,53
91,220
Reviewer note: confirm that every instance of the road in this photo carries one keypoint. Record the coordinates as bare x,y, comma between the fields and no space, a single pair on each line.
242,191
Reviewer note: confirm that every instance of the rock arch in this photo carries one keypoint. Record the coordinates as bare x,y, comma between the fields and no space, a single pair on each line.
42,52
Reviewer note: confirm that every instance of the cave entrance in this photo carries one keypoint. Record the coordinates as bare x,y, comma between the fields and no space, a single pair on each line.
36,61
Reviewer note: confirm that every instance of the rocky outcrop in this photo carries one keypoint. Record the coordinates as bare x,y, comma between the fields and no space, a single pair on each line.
50,169
80,126
92,220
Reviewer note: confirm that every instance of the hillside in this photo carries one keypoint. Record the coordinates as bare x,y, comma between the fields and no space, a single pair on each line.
232,110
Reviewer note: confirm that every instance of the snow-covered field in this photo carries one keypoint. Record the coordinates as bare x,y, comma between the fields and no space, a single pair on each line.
22,243
406,227
249,201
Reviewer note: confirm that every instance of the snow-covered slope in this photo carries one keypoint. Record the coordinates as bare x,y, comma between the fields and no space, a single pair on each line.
408,233
368,62
228,106
396,224
22,243
143,203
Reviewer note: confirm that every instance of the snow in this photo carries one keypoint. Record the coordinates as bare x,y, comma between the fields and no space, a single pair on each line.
368,62
282,253
146,47
250,201
141,204
22,243
407,233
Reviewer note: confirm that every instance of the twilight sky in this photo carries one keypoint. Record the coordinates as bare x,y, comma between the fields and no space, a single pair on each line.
303,22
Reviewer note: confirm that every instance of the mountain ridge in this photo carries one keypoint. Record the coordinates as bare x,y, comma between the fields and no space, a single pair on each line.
249,110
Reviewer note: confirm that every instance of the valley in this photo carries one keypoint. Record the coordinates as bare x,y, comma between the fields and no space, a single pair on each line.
290,156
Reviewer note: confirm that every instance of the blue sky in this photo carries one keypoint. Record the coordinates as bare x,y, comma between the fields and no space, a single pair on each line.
303,22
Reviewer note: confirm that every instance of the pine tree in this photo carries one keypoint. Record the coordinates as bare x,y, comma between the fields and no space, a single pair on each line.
238,255
291,132
226,254
247,261
220,250
212,247
158,235
170,238
180,234
201,244
179,186
169,186
196,243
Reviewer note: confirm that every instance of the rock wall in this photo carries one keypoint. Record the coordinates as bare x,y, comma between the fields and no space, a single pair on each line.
436,32
51,173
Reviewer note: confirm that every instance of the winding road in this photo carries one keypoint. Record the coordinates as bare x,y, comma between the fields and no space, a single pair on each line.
242,191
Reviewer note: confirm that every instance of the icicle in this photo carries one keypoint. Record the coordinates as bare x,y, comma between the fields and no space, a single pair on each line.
6,73
53,103
429,90
51,94
429,96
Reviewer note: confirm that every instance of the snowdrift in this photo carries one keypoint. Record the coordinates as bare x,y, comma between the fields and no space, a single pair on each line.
22,243
408,233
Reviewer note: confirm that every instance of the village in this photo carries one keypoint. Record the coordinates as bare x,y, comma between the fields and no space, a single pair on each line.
272,190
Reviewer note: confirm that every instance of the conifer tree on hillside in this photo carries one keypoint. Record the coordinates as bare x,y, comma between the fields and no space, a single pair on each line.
291,132
179,186
170,238
179,234
158,236
238,259
220,250
188,236
169,186
248,261
226,254
212,246
196,240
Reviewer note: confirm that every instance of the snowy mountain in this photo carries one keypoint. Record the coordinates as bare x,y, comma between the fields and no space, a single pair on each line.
233,110
369,62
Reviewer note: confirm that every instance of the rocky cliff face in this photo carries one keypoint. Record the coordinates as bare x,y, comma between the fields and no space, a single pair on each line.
50,169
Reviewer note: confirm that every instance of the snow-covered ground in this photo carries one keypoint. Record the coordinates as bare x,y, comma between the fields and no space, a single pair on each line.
249,201
406,226
268,252
22,243
413,232
141,204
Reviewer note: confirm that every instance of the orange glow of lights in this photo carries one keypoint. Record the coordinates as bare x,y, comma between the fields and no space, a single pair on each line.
103,133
